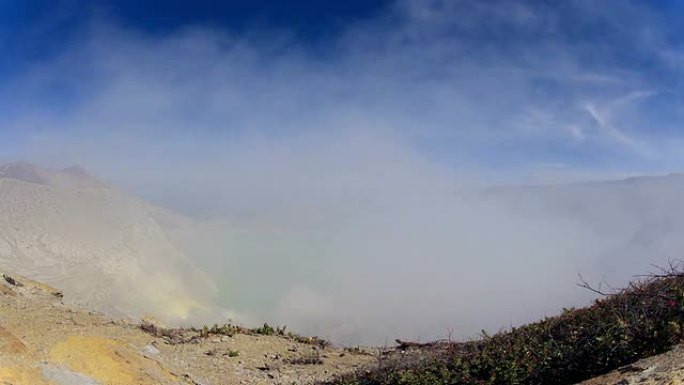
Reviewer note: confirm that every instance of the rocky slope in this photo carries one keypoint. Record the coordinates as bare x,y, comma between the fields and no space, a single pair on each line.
662,369
44,342
104,248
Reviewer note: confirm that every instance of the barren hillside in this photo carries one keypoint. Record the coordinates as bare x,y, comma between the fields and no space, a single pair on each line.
104,248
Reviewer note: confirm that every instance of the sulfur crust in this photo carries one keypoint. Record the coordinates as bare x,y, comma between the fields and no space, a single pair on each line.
109,361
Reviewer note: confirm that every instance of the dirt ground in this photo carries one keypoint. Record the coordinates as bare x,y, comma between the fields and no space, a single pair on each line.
44,342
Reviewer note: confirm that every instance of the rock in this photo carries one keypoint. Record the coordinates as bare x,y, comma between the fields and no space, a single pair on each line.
193,380
11,280
149,350
63,376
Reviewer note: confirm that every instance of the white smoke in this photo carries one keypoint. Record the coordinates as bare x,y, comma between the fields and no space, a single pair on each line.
339,193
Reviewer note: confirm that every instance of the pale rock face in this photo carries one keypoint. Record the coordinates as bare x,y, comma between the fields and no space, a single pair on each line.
103,248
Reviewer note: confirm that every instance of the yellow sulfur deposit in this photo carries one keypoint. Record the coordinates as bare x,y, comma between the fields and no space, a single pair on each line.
17,376
108,361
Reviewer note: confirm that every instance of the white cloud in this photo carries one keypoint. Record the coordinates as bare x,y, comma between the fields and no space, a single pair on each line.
340,184
576,132
605,116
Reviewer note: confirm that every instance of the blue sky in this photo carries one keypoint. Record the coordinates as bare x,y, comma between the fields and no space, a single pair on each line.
36,29
507,88
337,144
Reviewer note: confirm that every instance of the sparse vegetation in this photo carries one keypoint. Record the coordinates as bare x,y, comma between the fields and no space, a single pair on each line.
310,358
186,335
268,330
223,330
355,350
644,319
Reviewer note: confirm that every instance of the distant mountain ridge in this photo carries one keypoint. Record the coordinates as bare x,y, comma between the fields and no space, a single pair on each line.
75,177
104,248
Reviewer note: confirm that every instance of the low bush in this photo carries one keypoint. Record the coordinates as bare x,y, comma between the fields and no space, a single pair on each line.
644,319
230,330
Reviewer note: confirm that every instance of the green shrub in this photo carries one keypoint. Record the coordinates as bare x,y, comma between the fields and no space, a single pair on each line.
644,319
184,335
265,330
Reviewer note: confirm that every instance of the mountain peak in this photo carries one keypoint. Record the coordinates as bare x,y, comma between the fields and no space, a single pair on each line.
22,171
74,176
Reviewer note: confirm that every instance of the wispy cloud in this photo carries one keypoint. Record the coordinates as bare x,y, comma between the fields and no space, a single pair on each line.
338,181
576,132
604,118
